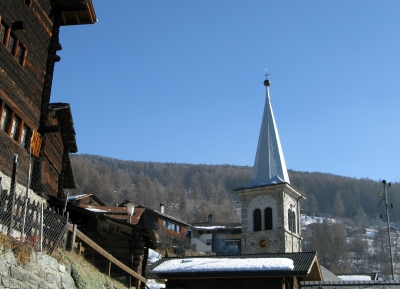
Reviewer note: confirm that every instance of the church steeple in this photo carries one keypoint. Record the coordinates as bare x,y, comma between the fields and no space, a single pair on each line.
269,165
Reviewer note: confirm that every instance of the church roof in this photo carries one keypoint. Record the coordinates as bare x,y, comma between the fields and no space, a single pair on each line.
269,165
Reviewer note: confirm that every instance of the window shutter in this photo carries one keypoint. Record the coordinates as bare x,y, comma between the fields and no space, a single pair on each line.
36,142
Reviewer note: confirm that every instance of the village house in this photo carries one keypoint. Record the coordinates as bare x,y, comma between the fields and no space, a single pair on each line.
216,238
30,124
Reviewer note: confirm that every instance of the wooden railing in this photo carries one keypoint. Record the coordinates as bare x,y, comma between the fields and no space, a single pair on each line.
76,233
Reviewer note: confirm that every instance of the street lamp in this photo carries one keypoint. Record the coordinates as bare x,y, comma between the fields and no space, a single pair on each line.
130,209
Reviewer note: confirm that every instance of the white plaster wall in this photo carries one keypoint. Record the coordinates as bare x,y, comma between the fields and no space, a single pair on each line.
262,202
201,244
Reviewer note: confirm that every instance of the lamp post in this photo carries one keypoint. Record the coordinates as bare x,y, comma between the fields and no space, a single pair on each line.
130,209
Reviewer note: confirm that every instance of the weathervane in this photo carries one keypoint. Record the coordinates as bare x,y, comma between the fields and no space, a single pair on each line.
266,74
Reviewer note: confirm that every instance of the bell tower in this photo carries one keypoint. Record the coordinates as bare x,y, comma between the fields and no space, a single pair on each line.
270,205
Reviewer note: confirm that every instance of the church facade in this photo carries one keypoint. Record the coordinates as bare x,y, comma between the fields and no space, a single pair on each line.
270,205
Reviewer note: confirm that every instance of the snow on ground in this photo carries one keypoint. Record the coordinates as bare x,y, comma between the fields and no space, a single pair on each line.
354,277
152,284
153,256
218,265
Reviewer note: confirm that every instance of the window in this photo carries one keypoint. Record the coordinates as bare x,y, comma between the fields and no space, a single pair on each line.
208,241
12,43
14,128
20,54
2,32
257,220
268,218
178,228
164,224
292,221
200,232
4,118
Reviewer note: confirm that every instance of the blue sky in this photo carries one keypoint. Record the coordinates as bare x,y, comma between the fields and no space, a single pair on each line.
182,81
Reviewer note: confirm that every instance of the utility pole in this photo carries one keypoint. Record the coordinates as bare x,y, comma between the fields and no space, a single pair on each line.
388,224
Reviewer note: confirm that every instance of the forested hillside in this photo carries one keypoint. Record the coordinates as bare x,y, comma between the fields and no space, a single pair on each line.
191,192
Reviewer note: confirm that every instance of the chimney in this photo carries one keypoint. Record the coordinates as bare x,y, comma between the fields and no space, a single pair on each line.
162,208
210,219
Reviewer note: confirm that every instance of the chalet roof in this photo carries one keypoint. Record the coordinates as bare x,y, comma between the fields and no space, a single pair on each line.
85,196
67,133
76,12
118,213
216,226
349,284
116,219
164,216
269,164
305,264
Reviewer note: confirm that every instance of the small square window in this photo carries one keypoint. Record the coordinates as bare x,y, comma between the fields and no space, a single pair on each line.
208,242
200,232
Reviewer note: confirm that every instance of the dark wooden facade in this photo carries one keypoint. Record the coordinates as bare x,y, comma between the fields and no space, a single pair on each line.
29,41
109,227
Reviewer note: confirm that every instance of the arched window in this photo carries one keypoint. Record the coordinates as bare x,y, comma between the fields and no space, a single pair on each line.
292,221
268,218
257,220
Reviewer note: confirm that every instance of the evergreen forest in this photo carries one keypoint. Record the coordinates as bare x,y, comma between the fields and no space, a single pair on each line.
343,205
193,191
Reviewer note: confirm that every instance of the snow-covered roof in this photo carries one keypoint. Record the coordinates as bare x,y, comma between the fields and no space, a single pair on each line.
76,197
355,277
221,265
226,266
96,210
208,227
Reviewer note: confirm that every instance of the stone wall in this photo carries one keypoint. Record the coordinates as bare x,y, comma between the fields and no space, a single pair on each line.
41,272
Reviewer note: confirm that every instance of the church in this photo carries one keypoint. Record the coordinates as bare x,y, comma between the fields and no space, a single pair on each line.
271,254
270,205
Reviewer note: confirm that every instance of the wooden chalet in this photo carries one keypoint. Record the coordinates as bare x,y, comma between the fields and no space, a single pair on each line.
110,227
305,268
161,222
30,123
216,238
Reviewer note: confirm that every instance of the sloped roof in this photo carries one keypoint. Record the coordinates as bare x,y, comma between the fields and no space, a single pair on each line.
269,165
85,196
216,226
165,216
349,284
305,264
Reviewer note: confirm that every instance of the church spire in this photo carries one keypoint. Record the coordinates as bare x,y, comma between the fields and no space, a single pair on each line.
269,165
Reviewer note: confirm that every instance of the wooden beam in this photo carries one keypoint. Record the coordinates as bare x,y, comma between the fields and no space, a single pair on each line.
107,255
